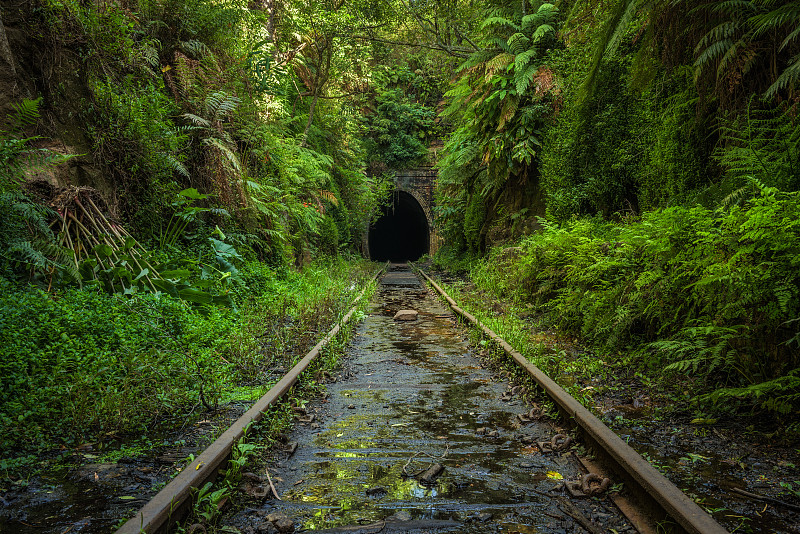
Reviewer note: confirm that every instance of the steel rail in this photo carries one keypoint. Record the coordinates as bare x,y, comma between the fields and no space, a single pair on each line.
169,504
656,491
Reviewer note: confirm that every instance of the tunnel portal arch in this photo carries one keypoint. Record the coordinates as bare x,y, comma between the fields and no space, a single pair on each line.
403,231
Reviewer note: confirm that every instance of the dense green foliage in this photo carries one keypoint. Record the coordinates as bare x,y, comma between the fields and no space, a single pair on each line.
665,145
499,104
73,363
654,147
222,146
402,126
688,288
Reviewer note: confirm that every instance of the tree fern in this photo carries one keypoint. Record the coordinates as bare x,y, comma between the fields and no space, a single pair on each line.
499,116
788,78
749,32
502,22
609,39
518,43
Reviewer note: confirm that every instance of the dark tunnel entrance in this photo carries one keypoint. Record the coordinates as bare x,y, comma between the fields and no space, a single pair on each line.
401,232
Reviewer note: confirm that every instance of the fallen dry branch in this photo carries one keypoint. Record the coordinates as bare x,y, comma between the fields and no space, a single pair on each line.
764,498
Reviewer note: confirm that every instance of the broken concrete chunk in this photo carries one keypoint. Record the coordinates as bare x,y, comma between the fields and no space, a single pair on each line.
284,525
406,315
281,522
403,515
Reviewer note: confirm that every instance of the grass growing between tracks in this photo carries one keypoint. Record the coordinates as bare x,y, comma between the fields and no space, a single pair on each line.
86,368
212,499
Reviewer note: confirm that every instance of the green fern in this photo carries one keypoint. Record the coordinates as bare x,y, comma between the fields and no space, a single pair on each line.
26,113
518,43
787,79
196,49
751,31
16,155
501,22
27,244
610,37
762,146
780,395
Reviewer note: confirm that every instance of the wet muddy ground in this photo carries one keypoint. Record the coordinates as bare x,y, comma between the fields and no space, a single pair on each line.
92,489
412,398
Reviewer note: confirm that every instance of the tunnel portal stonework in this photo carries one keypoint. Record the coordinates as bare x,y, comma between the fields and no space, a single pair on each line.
418,182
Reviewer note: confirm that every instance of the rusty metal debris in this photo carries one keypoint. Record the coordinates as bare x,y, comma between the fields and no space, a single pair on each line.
534,414
590,485
559,442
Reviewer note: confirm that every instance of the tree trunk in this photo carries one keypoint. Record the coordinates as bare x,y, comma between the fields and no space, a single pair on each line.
5,49
270,6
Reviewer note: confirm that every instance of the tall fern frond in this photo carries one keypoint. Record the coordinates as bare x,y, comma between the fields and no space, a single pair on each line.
510,106
524,77
545,15
219,104
148,54
522,60
197,120
475,59
230,156
498,63
722,31
610,37
26,113
545,31
785,15
518,43
788,78
500,22
177,166
729,57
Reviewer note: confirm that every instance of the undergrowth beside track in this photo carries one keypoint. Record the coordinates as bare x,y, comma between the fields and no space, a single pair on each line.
265,437
702,302
75,362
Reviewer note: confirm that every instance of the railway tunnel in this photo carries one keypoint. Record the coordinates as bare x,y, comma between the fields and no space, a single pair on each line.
401,233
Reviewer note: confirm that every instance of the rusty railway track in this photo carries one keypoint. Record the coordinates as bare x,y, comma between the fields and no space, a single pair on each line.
660,497
661,500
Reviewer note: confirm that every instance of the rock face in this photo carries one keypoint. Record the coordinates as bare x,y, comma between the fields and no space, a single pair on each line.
406,315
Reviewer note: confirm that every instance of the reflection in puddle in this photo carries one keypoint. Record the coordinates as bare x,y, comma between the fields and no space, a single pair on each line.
417,397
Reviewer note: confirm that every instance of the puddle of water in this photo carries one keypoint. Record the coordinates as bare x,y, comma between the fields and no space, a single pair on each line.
419,397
